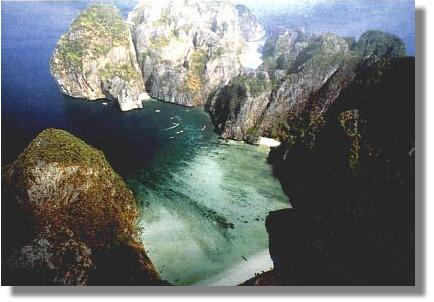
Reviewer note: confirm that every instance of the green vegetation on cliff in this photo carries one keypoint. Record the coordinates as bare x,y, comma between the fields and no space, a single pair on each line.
112,210
94,32
379,43
74,217
352,190
96,59
123,71
323,52
255,84
196,73
236,93
59,146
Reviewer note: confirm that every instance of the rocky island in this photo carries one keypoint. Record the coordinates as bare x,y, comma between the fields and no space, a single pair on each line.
96,59
185,50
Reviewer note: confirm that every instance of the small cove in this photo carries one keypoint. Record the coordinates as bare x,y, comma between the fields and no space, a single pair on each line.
203,201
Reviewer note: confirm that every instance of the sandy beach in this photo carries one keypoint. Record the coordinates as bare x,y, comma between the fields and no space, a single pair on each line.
269,142
244,270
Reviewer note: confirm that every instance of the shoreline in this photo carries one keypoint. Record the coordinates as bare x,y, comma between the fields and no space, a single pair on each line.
269,142
240,272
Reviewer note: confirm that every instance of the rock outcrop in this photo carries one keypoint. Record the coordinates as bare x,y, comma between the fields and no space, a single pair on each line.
380,44
96,59
308,73
352,189
251,28
317,69
314,67
71,218
344,112
282,48
236,108
186,49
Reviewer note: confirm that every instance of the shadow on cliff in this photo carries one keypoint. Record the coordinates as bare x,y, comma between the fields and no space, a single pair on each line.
352,190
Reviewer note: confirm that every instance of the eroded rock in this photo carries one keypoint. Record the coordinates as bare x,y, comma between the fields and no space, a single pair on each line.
308,74
236,109
251,28
186,49
96,59
75,214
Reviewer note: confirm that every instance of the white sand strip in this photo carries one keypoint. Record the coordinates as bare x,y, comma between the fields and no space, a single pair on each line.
240,272
269,142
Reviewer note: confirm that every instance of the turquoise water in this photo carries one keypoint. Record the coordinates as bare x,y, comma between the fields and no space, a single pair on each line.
203,200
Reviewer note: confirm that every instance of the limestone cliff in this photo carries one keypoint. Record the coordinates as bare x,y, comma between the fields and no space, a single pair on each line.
313,67
282,48
186,49
96,59
251,28
308,73
380,44
320,66
236,108
177,51
352,190
73,220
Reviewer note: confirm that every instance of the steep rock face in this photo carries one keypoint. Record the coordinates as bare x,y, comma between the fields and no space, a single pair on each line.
304,111
352,190
313,67
251,28
308,74
380,44
54,257
318,69
96,59
186,49
237,107
305,117
282,48
72,214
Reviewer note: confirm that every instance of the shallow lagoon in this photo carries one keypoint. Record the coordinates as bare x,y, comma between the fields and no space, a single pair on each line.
203,200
